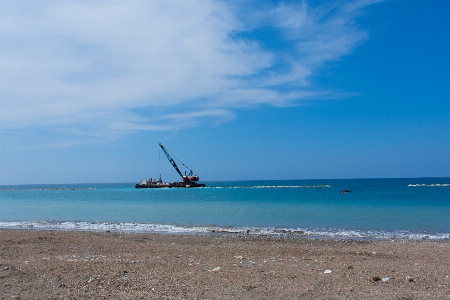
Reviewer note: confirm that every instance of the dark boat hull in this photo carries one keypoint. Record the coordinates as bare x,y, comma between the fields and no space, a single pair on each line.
169,185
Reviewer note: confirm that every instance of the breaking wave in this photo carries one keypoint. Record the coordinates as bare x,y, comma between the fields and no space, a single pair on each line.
431,184
321,233
270,186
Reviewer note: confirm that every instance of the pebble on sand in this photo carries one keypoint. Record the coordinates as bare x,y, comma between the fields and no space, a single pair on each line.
376,278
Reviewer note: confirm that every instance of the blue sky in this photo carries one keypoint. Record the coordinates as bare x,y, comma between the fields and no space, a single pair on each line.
235,89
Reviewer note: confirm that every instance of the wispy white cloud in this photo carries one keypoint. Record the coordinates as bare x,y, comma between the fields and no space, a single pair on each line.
174,121
111,67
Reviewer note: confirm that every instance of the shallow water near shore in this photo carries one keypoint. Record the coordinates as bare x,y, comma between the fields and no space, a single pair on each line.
412,208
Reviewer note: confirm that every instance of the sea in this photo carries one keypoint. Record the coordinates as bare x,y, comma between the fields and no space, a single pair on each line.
400,208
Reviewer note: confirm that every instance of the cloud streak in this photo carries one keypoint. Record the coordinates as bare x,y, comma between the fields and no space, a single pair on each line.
112,67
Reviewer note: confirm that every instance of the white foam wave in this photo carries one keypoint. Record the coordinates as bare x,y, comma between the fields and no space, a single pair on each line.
431,184
264,231
271,186
48,189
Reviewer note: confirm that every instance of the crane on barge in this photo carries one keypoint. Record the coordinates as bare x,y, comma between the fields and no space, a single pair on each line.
186,178
189,180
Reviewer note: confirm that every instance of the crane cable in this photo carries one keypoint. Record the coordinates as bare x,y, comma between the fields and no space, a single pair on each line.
178,160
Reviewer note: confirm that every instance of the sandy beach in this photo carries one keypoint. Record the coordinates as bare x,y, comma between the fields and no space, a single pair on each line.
96,265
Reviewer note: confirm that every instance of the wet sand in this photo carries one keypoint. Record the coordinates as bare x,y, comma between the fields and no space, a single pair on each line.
93,265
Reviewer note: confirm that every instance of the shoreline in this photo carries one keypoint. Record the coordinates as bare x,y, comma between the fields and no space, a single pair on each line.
50,264
312,233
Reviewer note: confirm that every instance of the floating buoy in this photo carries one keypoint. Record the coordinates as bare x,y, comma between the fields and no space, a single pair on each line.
346,191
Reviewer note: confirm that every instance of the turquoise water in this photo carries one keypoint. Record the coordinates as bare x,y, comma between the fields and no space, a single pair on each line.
376,208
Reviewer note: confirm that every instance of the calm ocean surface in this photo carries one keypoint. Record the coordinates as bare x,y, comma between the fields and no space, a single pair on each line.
376,208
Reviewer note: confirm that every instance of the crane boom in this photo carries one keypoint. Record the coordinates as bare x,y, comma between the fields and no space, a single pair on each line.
186,178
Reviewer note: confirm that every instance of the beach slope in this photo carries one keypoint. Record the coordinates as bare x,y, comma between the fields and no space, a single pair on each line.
86,265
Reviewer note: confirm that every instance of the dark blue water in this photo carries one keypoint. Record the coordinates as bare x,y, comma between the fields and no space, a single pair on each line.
376,208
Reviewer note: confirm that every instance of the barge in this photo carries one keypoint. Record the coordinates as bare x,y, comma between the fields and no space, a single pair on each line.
189,180
160,185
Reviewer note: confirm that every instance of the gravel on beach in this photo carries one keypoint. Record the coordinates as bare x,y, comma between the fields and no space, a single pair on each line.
104,265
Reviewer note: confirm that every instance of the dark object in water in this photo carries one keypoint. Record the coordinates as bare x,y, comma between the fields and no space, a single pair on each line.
346,191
